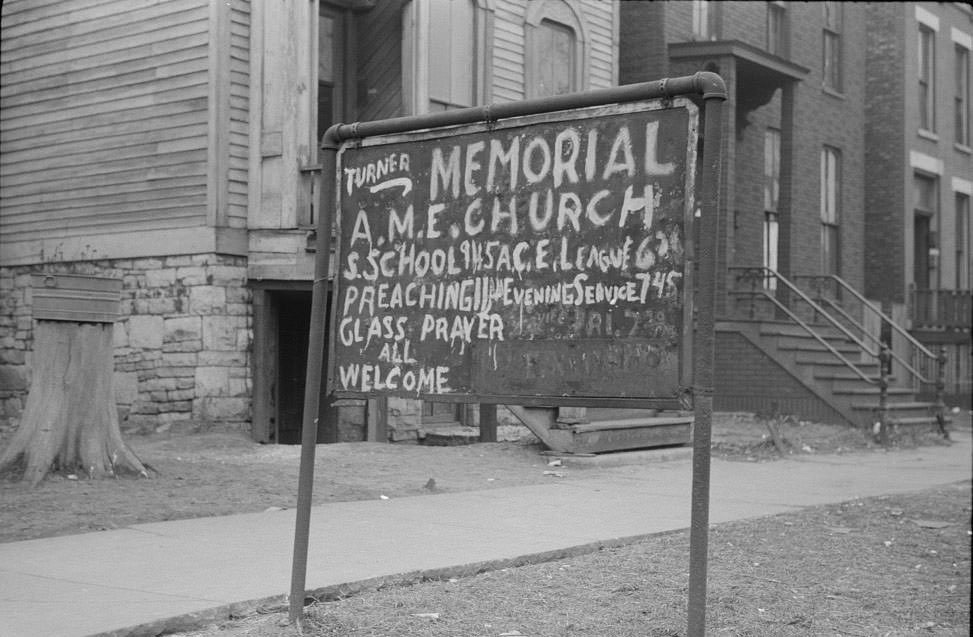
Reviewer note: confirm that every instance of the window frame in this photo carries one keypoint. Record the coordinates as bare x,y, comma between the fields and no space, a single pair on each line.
771,204
926,78
961,95
832,73
451,97
563,13
963,239
830,209
777,39
929,215
705,20
416,18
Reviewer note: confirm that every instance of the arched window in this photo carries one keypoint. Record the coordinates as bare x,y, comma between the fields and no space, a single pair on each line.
555,48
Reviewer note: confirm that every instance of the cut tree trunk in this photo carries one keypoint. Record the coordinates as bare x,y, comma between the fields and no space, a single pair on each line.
70,422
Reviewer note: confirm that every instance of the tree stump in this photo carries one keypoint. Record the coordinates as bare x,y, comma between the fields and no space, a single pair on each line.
70,422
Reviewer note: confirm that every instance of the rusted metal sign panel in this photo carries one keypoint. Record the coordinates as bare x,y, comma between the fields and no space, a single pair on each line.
541,259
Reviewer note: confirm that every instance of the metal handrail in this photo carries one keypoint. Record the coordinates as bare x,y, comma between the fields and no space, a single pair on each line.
892,355
895,326
885,355
851,319
763,272
868,379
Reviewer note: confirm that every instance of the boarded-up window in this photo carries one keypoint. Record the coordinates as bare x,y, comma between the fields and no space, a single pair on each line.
452,68
554,59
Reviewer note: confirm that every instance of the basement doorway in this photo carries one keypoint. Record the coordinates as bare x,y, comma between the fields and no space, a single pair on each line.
282,321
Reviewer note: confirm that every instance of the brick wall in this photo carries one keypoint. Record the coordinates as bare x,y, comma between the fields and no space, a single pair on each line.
749,380
643,57
823,118
885,169
182,344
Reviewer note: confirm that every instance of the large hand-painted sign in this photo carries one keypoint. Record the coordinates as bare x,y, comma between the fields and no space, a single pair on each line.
536,259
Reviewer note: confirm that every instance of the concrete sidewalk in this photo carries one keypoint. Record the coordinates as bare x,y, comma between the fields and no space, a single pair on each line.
171,575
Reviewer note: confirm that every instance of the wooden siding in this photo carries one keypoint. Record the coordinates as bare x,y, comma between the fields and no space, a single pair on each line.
106,124
239,104
510,50
602,44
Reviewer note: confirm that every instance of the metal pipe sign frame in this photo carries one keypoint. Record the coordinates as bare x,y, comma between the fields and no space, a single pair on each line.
573,207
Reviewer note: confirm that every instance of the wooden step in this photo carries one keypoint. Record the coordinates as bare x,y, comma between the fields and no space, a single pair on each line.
607,435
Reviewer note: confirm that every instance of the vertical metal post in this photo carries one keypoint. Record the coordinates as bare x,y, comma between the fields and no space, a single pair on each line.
884,359
315,363
941,392
705,354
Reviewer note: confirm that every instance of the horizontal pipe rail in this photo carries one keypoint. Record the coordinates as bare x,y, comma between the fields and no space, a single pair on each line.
706,84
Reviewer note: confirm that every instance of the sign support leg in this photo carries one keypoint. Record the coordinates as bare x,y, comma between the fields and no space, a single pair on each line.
704,361
317,340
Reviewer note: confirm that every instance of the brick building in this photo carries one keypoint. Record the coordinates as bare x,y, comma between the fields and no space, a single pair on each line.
822,141
919,174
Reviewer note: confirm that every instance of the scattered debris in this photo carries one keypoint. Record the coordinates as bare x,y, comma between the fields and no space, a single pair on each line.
383,497
432,616
932,524
431,485
555,463
556,474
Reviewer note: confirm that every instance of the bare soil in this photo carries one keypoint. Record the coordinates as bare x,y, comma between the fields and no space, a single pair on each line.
885,566
882,566
205,474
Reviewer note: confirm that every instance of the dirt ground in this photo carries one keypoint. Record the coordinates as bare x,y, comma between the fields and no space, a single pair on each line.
890,566
206,474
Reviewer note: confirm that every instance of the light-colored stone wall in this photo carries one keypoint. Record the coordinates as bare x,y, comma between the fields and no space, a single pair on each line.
182,341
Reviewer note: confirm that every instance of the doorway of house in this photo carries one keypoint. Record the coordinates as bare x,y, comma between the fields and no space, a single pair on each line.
287,334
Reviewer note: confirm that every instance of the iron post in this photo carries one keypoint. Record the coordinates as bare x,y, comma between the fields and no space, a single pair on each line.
941,392
317,339
884,359
705,347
